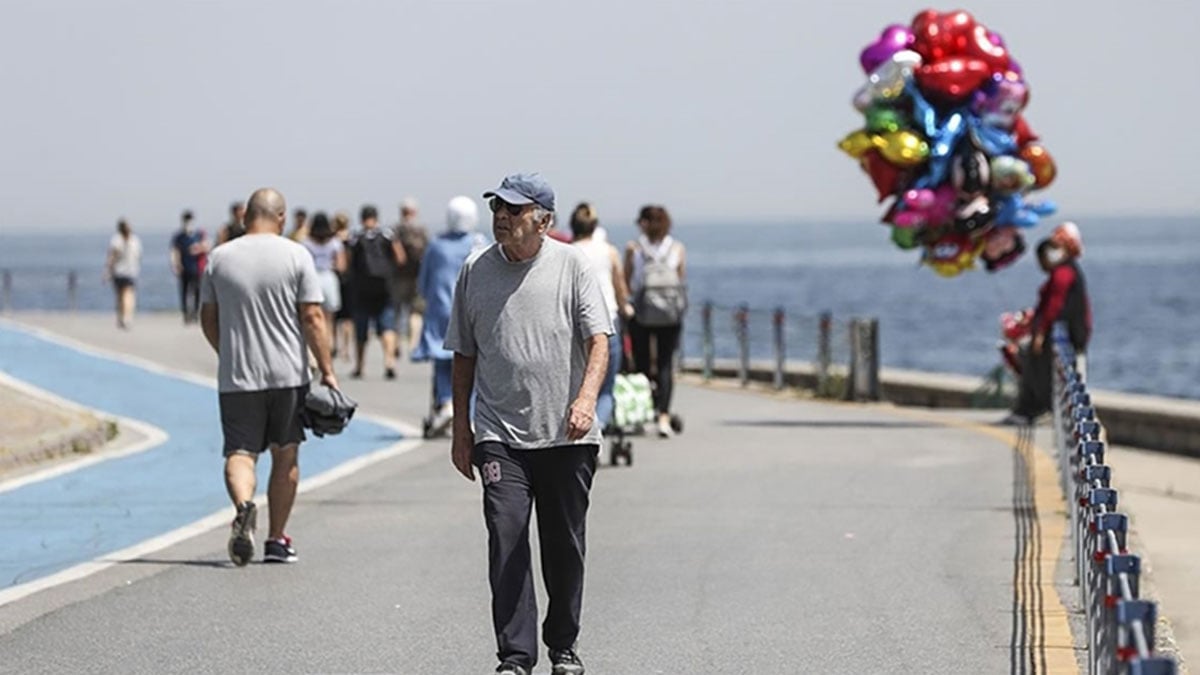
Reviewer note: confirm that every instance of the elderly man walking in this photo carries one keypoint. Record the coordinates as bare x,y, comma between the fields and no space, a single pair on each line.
261,310
529,331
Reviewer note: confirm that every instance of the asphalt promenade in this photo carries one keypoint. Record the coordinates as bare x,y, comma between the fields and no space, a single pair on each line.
774,535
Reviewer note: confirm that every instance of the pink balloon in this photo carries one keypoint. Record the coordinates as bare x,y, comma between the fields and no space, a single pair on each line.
894,38
926,208
995,38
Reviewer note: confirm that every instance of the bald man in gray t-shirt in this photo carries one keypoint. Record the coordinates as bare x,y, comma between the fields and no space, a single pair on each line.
261,312
529,331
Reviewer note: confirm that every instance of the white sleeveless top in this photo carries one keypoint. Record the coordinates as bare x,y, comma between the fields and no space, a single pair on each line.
127,256
663,250
599,256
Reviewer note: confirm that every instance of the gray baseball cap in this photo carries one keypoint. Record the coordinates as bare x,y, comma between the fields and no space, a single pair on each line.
524,188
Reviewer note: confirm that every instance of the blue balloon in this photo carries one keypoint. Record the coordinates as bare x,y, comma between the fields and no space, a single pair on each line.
943,134
1014,210
923,112
992,141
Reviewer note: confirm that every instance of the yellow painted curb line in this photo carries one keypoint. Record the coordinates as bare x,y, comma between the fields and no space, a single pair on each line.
1052,634
1052,629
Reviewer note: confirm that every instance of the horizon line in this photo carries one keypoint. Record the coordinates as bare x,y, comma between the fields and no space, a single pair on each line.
706,221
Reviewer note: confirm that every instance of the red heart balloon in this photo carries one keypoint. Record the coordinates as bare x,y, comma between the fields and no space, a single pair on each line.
887,178
937,36
952,79
981,47
921,25
1022,133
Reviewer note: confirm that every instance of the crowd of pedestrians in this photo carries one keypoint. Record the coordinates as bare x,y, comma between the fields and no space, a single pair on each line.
525,337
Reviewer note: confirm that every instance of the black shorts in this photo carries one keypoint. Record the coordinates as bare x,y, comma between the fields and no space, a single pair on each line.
253,421
121,283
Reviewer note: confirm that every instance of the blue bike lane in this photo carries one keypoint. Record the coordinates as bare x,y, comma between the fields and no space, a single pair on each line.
80,516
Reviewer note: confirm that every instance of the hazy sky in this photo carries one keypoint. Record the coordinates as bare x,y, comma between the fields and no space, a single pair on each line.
720,110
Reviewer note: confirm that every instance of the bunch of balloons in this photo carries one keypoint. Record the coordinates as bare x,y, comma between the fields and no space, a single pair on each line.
946,143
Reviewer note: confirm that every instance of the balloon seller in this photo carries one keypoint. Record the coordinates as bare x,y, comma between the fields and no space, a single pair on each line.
945,143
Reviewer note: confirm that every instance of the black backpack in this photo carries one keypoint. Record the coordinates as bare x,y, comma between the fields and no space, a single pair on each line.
373,260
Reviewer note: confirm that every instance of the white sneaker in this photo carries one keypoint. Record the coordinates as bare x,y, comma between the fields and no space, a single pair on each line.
441,420
664,427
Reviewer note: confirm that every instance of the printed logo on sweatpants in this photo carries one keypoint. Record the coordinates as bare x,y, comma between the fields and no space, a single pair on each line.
490,472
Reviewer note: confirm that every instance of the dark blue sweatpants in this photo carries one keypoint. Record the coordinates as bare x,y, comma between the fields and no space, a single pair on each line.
556,481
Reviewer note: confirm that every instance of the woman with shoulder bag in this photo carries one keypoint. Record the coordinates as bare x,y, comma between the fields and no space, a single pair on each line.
655,274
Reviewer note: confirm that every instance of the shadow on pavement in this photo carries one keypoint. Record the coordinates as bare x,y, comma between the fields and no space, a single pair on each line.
830,424
191,563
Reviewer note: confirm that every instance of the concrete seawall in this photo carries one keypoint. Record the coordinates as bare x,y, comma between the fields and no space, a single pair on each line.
1153,422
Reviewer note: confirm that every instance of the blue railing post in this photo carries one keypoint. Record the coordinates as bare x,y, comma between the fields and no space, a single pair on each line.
6,292
741,322
824,351
72,290
780,350
707,338
1119,625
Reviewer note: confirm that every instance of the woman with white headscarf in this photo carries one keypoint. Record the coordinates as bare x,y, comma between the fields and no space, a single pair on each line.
439,272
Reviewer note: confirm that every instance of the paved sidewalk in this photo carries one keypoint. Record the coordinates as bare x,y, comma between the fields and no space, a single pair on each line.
1161,494
775,535
1159,491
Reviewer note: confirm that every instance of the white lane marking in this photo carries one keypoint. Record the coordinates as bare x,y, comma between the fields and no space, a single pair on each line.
205,524
154,436
135,361
154,367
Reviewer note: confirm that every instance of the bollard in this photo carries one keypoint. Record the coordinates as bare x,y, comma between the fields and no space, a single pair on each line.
72,288
872,348
741,323
707,339
6,292
780,352
864,360
824,329
853,390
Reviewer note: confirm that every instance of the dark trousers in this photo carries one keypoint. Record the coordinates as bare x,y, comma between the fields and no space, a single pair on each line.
555,481
666,340
1034,391
189,288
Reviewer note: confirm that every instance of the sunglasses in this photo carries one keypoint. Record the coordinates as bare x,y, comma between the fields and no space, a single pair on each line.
495,204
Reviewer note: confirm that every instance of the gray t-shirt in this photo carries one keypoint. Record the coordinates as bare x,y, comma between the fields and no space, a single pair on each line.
526,323
257,282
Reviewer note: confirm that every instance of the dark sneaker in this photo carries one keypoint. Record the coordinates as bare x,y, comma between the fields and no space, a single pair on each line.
511,669
241,536
566,662
280,551
389,373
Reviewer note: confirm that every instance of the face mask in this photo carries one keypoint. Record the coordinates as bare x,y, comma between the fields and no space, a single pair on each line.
1055,256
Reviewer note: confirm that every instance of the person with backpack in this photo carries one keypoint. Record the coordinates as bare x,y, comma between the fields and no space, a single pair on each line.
373,262
655,276
413,237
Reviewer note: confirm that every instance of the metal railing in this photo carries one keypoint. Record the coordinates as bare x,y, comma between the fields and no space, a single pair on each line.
835,358
43,283
1120,624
